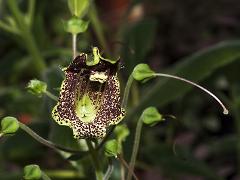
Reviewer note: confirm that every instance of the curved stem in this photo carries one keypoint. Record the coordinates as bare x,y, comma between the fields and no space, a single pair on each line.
135,148
96,163
127,91
44,141
225,111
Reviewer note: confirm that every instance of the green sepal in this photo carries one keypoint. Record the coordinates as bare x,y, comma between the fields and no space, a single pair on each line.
96,57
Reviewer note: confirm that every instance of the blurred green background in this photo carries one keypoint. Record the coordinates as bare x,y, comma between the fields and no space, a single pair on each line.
198,40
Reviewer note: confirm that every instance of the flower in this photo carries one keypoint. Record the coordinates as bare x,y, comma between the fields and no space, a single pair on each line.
89,100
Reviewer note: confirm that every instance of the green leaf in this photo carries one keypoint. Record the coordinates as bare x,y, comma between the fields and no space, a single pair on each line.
9,125
76,26
78,7
32,172
142,72
37,87
196,67
151,116
112,148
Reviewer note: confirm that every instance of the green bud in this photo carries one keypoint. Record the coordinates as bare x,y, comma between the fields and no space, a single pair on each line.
112,148
9,125
32,172
151,116
121,132
75,25
78,7
142,72
37,87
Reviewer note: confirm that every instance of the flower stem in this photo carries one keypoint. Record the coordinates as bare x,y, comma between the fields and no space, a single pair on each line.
225,111
44,141
135,148
50,95
74,45
95,160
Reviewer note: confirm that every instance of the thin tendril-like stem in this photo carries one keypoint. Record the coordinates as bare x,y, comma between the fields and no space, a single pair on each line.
127,166
225,111
44,141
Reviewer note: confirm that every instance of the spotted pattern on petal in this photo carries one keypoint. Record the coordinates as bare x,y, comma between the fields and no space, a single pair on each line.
89,100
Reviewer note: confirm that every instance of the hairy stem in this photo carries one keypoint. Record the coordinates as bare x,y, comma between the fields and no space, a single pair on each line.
95,160
44,141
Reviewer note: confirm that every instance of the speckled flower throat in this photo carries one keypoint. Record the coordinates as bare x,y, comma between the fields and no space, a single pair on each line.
89,99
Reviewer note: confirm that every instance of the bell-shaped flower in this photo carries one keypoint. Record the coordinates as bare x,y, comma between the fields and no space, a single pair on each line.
89,100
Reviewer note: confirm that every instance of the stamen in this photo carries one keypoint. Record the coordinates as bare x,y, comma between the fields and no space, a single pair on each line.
225,111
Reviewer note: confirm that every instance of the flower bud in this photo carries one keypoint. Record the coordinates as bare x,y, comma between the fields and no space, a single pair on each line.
32,172
121,132
151,116
142,72
75,25
112,148
78,7
37,87
9,125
